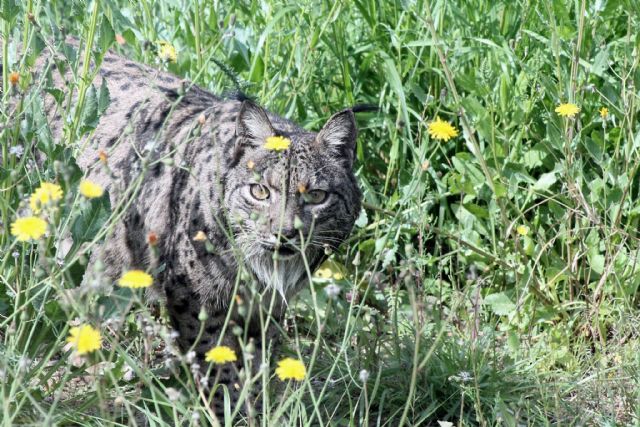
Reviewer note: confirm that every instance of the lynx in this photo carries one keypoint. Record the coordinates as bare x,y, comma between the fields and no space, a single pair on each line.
226,225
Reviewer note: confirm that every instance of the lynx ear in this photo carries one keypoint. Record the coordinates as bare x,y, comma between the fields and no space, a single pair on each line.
252,123
339,135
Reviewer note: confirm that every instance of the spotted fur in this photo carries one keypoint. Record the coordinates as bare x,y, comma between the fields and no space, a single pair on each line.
193,156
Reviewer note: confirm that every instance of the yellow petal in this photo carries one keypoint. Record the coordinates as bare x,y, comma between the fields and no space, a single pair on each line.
135,279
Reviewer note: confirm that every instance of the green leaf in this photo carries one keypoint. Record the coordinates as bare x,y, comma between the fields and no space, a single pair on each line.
600,63
56,93
545,181
95,105
499,303
362,220
476,210
104,99
106,36
89,119
91,220
463,164
535,156
9,9
117,303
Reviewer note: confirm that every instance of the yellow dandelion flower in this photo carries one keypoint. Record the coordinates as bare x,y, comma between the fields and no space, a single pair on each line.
27,228
220,355
85,339
439,129
277,143
604,112
522,230
166,52
135,279
90,189
291,369
45,194
567,109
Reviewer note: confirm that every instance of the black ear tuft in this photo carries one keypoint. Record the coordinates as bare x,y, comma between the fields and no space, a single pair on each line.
253,123
339,135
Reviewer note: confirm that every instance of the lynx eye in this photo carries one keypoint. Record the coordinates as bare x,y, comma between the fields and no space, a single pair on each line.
259,191
315,196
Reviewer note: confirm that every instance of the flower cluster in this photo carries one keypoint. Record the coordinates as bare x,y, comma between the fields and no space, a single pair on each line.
288,368
46,196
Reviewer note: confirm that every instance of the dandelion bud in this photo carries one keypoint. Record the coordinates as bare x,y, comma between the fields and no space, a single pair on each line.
14,78
200,236
364,375
242,311
352,296
203,316
332,291
152,239
195,370
245,277
103,157
128,374
173,394
297,223
356,259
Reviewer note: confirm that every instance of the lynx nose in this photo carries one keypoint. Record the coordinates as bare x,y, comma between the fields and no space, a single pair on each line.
285,233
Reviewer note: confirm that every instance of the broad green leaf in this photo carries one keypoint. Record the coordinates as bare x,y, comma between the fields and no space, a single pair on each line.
499,303
545,181
9,9
91,220
106,36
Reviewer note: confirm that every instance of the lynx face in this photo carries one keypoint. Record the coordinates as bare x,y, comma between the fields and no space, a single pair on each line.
292,203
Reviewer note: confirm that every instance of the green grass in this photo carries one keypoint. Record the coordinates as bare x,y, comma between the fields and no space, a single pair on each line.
453,310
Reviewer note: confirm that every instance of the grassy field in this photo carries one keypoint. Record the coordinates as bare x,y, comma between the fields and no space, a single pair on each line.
492,278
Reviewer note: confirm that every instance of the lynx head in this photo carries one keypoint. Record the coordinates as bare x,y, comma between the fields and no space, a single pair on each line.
300,199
